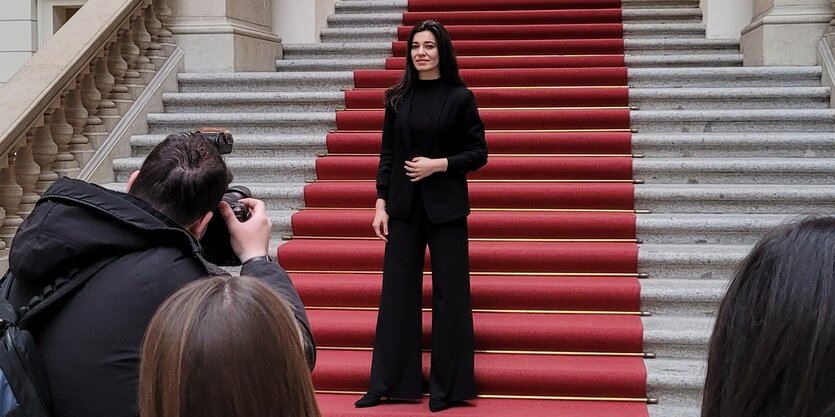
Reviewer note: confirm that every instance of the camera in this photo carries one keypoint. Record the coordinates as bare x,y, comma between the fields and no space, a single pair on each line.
216,244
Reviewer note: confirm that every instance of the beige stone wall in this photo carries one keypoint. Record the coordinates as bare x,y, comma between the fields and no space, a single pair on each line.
225,35
18,35
297,21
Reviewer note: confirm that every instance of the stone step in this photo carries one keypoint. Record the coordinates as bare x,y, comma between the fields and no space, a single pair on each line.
293,102
735,198
632,61
677,336
329,64
282,223
250,146
680,261
264,81
730,98
680,60
677,383
630,31
785,171
711,229
770,120
369,50
257,123
735,145
674,410
805,76
373,6
676,46
653,14
655,4
365,50
682,297
267,170
644,98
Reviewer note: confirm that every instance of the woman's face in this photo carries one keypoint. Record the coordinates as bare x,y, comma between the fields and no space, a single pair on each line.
425,55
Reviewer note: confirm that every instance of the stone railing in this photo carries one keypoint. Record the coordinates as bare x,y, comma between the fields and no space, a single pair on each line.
62,105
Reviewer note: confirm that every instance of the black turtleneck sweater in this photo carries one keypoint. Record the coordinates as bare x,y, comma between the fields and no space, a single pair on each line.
422,122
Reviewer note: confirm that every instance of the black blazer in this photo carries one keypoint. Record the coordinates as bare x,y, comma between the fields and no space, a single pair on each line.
459,137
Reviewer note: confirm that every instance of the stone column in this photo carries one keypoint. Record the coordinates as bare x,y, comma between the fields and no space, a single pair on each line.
298,21
225,35
785,32
724,19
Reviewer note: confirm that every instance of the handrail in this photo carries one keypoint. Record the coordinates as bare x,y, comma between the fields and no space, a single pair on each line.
61,60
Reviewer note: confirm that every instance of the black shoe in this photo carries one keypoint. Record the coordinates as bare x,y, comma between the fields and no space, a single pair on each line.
368,400
439,405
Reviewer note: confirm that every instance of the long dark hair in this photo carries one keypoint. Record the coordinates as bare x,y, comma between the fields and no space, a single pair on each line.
224,347
446,57
772,352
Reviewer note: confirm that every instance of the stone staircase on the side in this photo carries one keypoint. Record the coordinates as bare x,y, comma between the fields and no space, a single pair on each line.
728,152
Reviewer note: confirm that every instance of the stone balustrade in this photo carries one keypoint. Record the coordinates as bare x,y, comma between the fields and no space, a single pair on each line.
66,100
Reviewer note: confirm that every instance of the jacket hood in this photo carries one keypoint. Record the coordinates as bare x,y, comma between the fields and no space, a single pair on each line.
76,223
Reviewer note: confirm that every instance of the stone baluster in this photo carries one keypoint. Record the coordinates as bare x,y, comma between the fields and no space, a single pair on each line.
91,98
829,34
4,249
77,117
27,172
105,81
130,52
155,52
166,38
10,196
45,152
65,162
142,39
118,67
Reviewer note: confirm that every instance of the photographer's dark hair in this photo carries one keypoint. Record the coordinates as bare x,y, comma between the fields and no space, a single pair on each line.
184,177
772,353
224,347
447,64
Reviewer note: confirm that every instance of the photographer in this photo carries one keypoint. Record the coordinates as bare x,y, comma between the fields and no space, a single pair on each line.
137,248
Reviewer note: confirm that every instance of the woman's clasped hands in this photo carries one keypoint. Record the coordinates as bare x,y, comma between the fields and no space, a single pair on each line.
421,167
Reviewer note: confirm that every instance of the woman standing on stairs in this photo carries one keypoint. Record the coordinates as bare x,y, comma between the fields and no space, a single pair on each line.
432,136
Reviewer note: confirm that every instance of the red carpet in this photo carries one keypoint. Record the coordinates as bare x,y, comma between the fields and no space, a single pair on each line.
529,47
472,5
506,374
497,168
504,142
536,32
336,405
552,232
482,224
509,77
498,292
524,17
529,61
507,331
528,196
505,97
510,119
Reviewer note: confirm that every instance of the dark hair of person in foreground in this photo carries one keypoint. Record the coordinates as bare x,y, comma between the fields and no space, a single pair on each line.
772,352
446,56
224,347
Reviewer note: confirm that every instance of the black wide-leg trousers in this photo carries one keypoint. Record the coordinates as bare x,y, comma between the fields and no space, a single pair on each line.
396,364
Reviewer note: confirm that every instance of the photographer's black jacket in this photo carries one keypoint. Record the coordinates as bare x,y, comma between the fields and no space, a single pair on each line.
90,343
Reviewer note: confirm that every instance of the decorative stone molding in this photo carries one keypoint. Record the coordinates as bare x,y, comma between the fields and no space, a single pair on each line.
785,32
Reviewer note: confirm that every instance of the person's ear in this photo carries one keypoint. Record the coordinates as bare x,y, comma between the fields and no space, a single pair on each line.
198,228
132,178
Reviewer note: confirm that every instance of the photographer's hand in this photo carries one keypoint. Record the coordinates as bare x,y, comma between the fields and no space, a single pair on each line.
252,237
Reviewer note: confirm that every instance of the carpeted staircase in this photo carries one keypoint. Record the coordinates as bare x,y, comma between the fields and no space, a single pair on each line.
602,235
